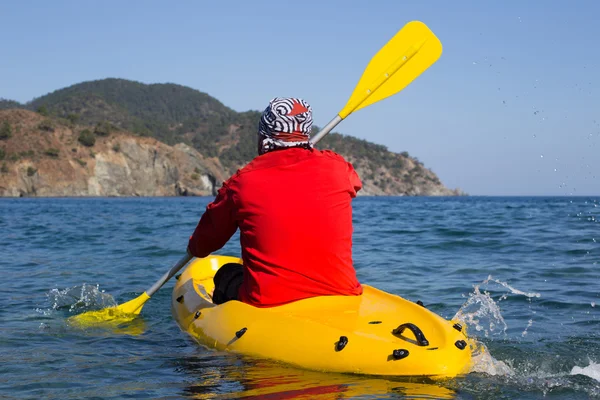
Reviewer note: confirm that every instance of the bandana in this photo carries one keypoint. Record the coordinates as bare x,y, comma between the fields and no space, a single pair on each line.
285,123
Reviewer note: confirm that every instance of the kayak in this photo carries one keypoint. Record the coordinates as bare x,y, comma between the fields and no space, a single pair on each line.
376,333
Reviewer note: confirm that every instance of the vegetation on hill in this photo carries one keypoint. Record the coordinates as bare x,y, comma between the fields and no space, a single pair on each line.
5,130
6,104
173,114
167,112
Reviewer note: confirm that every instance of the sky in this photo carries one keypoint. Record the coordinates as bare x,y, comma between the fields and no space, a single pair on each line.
511,107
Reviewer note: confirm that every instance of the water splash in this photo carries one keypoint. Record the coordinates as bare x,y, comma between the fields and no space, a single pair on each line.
85,303
484,362
482,314
592,370
80,298
529,323
512,289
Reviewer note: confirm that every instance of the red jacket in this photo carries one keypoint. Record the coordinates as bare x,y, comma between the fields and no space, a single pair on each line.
293,208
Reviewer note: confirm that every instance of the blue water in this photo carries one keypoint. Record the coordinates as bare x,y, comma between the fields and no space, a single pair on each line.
523,273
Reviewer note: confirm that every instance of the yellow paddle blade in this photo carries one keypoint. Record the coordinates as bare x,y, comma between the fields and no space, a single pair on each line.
410,52
111,316
111,320
134,306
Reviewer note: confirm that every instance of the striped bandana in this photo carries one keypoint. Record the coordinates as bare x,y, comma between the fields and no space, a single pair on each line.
285,123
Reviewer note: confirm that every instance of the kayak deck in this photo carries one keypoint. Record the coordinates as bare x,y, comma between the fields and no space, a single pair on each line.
375,333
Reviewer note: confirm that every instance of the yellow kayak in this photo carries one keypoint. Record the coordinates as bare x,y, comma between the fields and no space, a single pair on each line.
376,333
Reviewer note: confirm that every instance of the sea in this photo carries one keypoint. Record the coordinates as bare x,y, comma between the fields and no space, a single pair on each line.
522,273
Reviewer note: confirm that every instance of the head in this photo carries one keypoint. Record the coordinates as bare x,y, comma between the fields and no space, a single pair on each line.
285,123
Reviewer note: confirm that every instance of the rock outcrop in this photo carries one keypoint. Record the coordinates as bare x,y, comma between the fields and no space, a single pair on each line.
43,157
47,157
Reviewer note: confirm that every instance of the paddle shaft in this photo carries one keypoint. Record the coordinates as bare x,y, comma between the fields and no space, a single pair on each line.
332,124
180,264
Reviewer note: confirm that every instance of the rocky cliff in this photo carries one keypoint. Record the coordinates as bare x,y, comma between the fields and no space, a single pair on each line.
43,157
48,156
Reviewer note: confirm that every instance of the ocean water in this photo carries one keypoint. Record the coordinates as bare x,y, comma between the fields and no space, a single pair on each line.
522,273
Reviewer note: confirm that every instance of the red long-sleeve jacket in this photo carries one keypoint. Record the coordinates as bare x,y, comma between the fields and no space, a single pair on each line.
293,208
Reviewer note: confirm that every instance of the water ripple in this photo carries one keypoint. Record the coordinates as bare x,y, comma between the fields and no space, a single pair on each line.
442,251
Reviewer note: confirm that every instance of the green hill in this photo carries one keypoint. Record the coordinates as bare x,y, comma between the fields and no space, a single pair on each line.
169,112
177,114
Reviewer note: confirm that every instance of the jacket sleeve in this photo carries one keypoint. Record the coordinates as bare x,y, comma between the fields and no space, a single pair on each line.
355,182
217,225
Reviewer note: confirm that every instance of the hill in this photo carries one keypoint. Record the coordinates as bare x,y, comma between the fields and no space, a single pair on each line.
174,114
168,112
49,157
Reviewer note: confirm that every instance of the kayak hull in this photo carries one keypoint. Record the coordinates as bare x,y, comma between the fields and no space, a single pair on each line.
376,333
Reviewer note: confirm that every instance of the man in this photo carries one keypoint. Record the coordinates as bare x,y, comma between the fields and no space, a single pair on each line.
292,205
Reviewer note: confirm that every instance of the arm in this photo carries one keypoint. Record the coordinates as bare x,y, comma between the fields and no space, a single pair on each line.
355,182
217,225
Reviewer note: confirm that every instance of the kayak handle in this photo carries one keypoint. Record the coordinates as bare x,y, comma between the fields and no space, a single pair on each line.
421,340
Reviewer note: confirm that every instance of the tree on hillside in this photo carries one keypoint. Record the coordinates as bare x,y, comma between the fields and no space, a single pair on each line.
43,110
5,130
103,128
73,118
6,104
87,138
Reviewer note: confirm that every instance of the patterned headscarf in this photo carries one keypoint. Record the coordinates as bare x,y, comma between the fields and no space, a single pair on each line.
286,122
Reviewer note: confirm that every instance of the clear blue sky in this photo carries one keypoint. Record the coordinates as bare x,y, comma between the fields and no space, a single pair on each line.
511,108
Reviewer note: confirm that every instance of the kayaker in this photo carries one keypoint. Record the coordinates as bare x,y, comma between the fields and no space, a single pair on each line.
292,204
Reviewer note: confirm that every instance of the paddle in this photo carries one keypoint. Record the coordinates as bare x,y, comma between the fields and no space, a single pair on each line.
410,52
127,311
